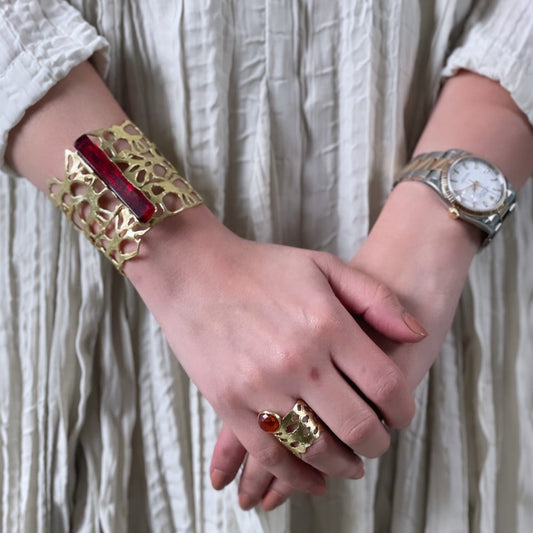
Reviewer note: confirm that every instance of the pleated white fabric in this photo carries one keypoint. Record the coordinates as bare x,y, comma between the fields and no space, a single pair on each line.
291,118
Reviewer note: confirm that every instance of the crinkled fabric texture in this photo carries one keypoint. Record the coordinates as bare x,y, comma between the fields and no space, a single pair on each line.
291,118
40,42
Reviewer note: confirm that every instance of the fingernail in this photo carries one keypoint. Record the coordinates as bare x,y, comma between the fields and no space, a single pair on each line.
246,502
219,479
413,325
272,500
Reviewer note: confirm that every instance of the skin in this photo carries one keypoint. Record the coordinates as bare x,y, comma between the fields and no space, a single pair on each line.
264,326
471,114
297,305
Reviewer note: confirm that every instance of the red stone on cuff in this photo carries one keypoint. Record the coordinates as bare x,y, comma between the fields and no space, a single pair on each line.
111,175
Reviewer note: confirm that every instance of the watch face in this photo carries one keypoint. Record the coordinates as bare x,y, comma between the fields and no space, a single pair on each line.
476,185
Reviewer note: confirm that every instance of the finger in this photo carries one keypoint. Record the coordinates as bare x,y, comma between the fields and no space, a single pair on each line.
376,377
326,454
254,483
372,300
335,459
258,485
275,458
227,458
349,418
277,494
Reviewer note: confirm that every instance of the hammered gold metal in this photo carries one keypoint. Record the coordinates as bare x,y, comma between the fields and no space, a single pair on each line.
299,428
98,213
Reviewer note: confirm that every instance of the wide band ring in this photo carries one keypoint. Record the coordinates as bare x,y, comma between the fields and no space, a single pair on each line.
297,430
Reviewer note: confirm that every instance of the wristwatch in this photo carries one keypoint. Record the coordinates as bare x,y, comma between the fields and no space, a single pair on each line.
474,189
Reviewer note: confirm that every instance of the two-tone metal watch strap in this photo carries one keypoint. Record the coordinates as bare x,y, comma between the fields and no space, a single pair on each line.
430,167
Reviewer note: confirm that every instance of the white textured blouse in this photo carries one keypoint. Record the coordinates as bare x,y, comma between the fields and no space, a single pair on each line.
291,118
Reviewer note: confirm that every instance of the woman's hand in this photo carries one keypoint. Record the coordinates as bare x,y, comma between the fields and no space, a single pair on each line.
426,266
259,326
414,247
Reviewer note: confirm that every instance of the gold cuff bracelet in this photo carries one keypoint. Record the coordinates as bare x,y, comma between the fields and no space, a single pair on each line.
117,186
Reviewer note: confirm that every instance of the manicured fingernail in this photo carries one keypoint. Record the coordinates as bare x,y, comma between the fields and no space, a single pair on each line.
246,502
413,325
272,500
219,479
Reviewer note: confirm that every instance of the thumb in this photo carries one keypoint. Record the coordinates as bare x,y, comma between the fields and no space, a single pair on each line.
228,456
363,295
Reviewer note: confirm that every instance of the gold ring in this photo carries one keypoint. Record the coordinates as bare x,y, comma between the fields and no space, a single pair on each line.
297,430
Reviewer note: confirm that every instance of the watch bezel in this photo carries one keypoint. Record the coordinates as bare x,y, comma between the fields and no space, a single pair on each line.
452,198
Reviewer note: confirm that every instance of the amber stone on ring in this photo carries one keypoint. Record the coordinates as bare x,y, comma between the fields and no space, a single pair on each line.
268,421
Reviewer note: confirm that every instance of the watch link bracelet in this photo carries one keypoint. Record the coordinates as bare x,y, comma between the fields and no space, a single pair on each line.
474,189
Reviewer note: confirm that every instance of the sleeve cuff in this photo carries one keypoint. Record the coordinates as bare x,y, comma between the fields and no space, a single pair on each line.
513,69
39,47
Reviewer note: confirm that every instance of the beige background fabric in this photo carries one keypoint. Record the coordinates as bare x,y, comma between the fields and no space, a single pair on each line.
291,118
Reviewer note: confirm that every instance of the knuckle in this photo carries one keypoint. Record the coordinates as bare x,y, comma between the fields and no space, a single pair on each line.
383,294
358,432
226,451
269,456
322,321
388,388
227,396
323,326
393,398
289,361
233,395
294,357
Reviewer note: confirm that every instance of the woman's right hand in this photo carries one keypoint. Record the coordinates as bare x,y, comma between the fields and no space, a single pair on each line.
258,326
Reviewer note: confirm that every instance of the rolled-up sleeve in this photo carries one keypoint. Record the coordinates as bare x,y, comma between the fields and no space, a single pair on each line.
498,43
40,42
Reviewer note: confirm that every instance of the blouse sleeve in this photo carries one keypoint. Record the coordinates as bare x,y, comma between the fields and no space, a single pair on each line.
40,42
498,43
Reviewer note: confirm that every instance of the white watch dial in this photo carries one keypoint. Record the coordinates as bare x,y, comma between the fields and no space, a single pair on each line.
476,185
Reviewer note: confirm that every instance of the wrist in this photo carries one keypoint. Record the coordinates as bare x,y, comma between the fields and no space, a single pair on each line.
418,249
175,252
423,256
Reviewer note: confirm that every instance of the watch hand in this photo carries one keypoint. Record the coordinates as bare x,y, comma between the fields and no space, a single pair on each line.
464,188
489,190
